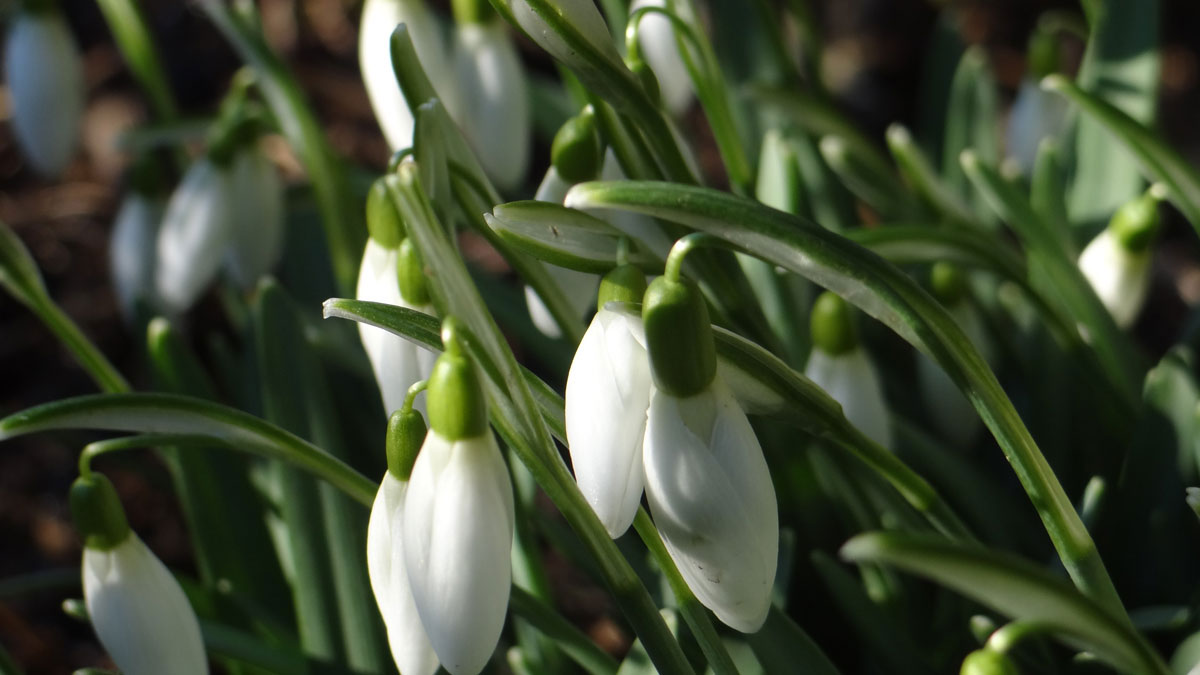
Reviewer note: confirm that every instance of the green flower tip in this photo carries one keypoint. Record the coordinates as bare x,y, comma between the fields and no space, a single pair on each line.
97,512
832,325
410,273
987,662
948,282
1042,53
383,220
405,434
683,357
576,152
625,283
1135,224
455,399
649,81
471,11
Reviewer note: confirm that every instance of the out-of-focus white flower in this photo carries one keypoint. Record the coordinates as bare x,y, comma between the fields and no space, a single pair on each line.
389,580
131,251
194,235
396,362
851,380
379,19
656,38
713,501
45,83
1036,114
458,530
256,212
494,113
1120,277
608,392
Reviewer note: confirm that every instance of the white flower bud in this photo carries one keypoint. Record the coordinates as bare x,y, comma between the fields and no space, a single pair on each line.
1120,276
256,211
494,113
140,613
656,38
45,83
713,501
131,251
379,19
608,392
852,381
397,363
1035,114
389,580
194,235
458,531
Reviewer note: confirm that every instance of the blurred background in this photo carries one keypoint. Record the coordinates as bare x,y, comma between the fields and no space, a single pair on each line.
876,53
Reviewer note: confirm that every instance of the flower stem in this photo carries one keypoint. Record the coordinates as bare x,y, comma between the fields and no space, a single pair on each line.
85,351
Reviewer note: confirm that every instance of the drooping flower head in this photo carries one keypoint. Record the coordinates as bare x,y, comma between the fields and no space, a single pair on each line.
1117,262
136,606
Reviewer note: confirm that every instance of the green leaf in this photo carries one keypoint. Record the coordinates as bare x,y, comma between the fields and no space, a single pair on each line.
971,123
1159,160
875,184
782,646
1014,588
573,642
565,237
1121,66
19,274
920,175
1062,277
133,37
169,413
886,293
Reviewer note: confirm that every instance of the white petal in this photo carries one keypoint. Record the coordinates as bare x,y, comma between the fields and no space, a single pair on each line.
389,581
657,39
45,83
397,363
139,612
1035,114
379,19
458,528
193,236
851,380
1120,278
608,391
579,289
495,110
713,502
256,211
553,188
131,251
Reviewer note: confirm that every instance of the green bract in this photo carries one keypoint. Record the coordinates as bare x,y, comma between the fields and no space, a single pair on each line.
97,512
455,400
576,153
678,337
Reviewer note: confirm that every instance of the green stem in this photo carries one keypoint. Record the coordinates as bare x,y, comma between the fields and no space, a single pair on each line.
85,351
566,636
693,611
133,38
345,230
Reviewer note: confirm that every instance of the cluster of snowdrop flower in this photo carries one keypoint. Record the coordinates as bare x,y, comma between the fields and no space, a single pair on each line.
441,529
647,411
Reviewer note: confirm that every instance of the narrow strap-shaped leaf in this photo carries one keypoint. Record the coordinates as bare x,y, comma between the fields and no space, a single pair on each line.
170,413
573,642
132,35
1015,588
970,124
782,646
885,292
877,186
919,173
1159,160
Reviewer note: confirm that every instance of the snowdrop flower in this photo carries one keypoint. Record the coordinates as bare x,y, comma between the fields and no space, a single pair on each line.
131,251
385,549
136,606
45,82
1117,262
387,260
656,40
194,235
608,392
707,482
379,19
458,519
577,286
953,414
256,211
494,112
840,366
